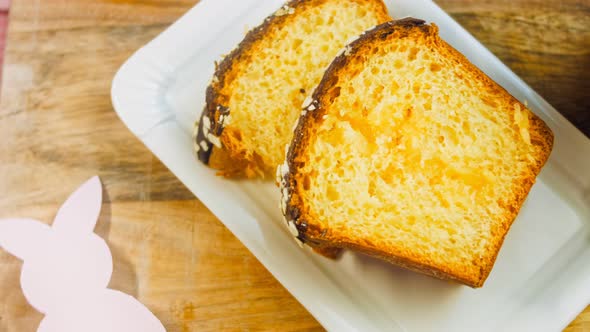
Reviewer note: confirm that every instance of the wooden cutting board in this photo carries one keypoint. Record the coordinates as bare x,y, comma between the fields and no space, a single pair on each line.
58,128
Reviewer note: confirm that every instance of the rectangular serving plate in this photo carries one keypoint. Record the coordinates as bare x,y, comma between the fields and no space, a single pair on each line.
541,279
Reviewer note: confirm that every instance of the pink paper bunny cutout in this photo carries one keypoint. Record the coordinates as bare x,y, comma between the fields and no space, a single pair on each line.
67,268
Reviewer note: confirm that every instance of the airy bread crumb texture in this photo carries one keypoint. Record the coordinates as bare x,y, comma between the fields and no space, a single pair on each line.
265,93
427,157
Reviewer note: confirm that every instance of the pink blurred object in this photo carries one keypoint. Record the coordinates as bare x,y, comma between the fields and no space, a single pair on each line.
67,268
4,4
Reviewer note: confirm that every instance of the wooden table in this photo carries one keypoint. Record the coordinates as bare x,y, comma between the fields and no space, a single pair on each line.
4,5
58,129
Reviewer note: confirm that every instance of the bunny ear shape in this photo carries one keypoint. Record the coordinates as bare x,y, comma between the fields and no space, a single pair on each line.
80,211
23,237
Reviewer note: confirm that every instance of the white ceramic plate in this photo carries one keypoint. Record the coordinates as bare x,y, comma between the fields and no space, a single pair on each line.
541,279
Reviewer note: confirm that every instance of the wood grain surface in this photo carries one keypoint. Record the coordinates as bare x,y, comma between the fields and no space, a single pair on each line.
4,5
58,128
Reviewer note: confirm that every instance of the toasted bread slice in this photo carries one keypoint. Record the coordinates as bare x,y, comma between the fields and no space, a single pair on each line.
257,91
410,153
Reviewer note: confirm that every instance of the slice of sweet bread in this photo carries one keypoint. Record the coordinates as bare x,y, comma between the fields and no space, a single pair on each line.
256,93
410,153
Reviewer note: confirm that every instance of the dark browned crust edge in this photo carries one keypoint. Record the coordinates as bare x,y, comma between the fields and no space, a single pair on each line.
304,229
210,110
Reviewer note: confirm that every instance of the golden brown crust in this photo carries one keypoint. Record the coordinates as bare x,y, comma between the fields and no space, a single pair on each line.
328,252
542,137
236,160
311,232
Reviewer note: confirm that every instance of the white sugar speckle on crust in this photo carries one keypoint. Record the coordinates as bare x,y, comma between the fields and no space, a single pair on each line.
295,126
284,200
307,102
196,146
285,10
278,177
204,145
284,189
311,107
285,170
283,206
214,140
224,118
281,173
293,228
347,50
206,125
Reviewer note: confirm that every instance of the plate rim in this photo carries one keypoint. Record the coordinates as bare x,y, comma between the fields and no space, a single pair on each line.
126,80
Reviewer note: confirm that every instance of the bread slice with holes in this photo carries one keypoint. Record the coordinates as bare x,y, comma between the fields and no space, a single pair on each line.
409,153
257,91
